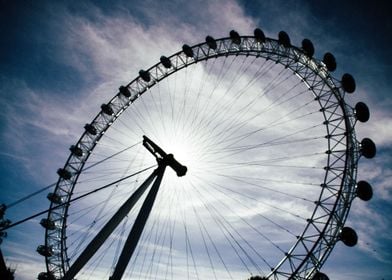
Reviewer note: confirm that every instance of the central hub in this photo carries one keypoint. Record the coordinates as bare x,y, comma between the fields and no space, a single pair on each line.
163,158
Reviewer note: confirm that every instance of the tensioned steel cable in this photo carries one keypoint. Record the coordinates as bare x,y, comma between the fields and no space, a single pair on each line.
54,184
76,198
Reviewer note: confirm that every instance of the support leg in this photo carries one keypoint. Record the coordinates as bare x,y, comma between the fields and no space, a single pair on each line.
138,226
104,233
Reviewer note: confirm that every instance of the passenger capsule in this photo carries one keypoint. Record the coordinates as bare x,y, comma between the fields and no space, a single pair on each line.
348,236
211,42
46,276
54,198
166,62
45,251
124,91
90,129
362,112
145,75
284,39
320,276
368,148
76,151
364,190
329,61
187,50
259,35
64,173
48,224
308,48
235,37
348,83
107,109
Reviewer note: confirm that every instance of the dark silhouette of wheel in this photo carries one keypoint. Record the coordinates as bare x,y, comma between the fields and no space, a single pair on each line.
271,154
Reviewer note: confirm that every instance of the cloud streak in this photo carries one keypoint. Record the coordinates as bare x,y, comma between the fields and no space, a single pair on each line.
107,49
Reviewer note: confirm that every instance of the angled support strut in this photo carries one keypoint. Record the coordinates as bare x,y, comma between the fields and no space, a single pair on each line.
141,219
107,230
163,160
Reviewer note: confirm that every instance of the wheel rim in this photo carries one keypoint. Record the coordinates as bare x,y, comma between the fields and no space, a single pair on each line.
309,247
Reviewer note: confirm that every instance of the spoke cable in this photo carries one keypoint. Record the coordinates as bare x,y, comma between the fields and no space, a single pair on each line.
74,199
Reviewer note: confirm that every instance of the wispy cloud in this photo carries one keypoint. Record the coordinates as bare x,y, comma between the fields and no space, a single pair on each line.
107,49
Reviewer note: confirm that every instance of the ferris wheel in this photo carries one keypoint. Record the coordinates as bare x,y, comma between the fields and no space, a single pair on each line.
233,158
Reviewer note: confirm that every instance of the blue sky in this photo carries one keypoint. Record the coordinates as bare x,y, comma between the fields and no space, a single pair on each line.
60,61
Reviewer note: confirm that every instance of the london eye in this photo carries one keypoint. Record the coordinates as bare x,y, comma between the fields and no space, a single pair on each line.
231,158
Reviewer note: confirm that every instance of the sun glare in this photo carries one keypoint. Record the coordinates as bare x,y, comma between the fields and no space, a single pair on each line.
184,150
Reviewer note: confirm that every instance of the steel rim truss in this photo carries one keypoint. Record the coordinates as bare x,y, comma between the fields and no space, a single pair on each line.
315,243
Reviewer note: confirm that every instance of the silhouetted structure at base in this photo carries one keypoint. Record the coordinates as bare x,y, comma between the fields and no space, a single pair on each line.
5,272
317,276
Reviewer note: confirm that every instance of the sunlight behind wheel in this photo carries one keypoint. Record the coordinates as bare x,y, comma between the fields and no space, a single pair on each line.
186,151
